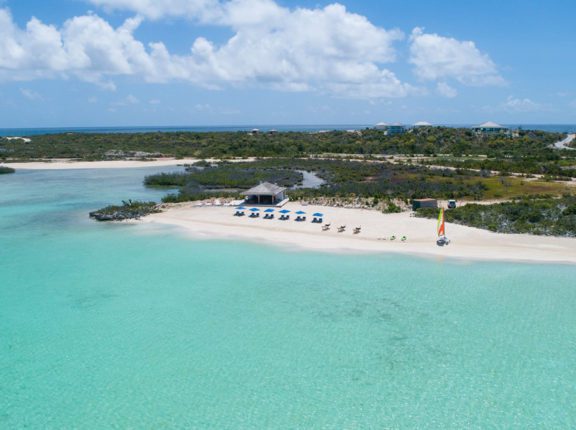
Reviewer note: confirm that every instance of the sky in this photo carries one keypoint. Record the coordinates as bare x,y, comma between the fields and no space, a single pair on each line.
89,63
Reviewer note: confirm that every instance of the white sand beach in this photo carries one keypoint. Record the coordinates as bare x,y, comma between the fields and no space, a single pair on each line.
64,164
376,231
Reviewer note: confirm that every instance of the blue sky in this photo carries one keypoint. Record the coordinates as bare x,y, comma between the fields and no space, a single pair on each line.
220,62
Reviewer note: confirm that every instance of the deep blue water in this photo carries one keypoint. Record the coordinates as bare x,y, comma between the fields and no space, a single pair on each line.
561,128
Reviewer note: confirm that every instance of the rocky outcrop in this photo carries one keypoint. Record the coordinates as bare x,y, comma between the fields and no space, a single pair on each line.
128,210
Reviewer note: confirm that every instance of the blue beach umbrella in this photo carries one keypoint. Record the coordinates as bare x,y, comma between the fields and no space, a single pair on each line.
318,214
284,211
254,210
300,213
270,210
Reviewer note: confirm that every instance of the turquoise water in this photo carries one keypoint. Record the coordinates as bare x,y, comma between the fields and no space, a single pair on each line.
125,326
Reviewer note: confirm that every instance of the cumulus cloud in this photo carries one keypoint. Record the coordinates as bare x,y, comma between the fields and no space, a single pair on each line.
446,90
30,95
514,104
325,49
436,57
156,9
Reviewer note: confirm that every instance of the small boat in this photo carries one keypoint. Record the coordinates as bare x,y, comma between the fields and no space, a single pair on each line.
441,229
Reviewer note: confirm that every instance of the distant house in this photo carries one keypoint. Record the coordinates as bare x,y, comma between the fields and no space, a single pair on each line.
390,129
266,194
490,128
424,203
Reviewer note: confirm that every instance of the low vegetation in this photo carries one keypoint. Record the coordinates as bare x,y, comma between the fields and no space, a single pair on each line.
346,179
541,216
422,140
551,165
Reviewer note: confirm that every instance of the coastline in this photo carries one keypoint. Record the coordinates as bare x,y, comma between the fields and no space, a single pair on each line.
66,164
377,228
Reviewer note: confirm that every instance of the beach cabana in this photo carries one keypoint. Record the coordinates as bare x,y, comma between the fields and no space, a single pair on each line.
265,194
239,211
317,217
254,213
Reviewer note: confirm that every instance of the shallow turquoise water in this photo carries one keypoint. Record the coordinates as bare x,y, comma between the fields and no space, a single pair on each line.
122,326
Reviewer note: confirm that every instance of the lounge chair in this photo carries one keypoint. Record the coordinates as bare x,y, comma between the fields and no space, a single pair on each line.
357,230
403,238
325,227
341,228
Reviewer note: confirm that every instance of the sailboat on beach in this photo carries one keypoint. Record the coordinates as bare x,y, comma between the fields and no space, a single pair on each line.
441,229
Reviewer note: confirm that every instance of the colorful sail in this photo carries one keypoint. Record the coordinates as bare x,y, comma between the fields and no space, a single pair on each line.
441,228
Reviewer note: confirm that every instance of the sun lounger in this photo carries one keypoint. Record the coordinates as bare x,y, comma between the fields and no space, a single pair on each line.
357,230
341,228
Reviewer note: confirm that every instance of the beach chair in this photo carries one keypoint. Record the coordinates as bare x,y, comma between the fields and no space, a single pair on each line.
341,228
403,238
357,230
325,227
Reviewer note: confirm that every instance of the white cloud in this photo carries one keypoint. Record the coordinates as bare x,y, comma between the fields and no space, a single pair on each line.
325,49
156,9
513,104
446,90
30,95
436,57
126,101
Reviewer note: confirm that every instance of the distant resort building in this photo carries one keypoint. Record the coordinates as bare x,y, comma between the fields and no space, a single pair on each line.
390,129
266,194
491,128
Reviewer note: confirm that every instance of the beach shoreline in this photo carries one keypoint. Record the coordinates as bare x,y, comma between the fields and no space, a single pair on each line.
467,243
67,164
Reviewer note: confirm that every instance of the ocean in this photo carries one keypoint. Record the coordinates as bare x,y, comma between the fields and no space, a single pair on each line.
560,128
135,326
